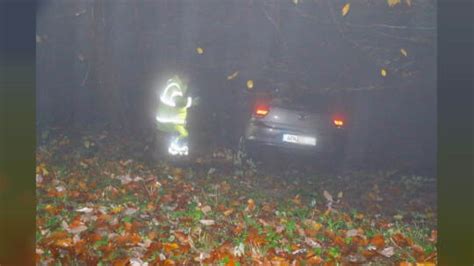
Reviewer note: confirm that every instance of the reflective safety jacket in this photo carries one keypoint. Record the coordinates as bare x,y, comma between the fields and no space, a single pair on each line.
174,103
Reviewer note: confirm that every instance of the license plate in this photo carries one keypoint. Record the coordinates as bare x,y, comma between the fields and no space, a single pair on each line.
303,140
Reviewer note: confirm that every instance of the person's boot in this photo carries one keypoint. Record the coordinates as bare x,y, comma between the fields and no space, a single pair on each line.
174,146
183,146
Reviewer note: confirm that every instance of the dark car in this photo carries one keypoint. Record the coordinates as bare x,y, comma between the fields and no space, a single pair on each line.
309,124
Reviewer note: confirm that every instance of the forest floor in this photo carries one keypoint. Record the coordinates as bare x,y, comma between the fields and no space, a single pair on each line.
100,202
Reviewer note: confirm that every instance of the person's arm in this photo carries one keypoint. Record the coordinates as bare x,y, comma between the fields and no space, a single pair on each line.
194,99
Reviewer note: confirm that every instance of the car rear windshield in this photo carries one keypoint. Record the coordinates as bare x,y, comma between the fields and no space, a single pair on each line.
313,103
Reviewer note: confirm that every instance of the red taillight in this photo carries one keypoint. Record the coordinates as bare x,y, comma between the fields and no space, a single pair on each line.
261,110
338,122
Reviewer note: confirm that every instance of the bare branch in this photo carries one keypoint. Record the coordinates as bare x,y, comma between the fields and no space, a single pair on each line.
396,27
86,75
275,24
400,38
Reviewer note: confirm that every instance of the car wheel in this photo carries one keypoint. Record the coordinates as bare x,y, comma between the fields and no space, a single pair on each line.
241,153
244,157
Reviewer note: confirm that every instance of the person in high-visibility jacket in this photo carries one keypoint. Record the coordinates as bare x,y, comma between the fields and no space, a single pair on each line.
172,114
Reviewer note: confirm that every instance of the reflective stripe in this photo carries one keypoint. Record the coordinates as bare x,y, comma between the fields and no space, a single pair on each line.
189,103
170,120
168,99
175,149
168,112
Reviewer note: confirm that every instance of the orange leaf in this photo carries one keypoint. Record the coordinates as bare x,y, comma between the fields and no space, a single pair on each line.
152,235
170,246
297,200
339,241
181,237
154,246
128,227
94,237
121,262
418,252
83,185
401,240
116,210
63,243
359,240
255,238
80,247
250,205
369,253
169,262
345,9
103,219
315,260
228,212
74,194
57,235
107,248
249,84
314,225
405,263
122,240
310,232
135,239
167,198
279,261
238,229
330,234
150,207
50,209
392,3
378,241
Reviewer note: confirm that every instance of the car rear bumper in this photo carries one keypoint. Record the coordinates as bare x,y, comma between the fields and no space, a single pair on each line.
257,136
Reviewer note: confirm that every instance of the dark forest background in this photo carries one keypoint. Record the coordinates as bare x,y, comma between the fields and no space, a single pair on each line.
100,62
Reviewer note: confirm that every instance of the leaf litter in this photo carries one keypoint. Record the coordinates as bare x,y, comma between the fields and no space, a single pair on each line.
122,211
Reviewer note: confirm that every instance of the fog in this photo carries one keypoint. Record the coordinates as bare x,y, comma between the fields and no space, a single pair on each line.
345,92
102,62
